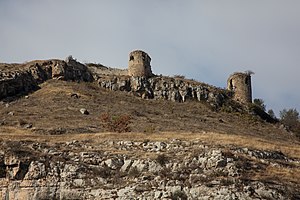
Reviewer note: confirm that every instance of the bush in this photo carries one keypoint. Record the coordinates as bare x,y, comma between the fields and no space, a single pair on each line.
260,103
271,113
259,111
179,76
178,195
118,124
162,159
134,172
290,118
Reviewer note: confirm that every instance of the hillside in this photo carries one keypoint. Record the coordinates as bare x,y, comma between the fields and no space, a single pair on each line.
173,150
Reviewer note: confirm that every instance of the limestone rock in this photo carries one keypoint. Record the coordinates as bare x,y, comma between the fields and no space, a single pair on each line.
84,111
126,169
30,75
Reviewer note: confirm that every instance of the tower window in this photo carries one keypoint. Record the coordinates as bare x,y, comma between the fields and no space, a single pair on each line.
246,81
230,85
131,58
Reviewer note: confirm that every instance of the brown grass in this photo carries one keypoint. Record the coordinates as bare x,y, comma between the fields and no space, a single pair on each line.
210,138
52,108
286,174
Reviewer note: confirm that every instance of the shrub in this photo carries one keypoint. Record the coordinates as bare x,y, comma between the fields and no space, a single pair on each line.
290,118
260,103
178,195
118,124
149,129
179,76
134,172
162,159
271,113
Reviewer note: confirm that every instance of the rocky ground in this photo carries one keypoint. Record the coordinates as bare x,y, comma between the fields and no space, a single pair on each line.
96,167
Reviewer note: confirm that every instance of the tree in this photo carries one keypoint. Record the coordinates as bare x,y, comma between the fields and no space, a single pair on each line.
290,118
271,113
260,103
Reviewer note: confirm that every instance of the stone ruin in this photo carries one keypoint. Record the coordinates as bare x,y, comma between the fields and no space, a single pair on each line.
138,79
139,64
240,84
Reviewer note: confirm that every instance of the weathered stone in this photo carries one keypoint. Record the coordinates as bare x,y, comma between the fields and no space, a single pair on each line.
84,111
139,64
164,88
240,85
114,163
126,166
26,79
70,171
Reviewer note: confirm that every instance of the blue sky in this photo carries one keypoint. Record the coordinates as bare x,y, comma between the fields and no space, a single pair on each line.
206,40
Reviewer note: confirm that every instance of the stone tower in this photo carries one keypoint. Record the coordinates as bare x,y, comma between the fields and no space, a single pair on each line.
139,64
240,84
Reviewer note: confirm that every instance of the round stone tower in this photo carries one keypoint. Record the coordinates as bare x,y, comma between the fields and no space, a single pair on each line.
139,64
240,84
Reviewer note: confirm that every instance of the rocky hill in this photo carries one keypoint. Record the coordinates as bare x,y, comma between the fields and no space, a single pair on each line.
57,123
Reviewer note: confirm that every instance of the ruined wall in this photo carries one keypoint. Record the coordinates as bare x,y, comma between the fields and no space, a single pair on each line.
240,85
139,64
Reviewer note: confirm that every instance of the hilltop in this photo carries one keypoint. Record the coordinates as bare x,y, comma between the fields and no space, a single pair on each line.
56,144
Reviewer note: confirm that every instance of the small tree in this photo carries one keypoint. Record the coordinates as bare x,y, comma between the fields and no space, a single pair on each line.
290,118
260,103
271,113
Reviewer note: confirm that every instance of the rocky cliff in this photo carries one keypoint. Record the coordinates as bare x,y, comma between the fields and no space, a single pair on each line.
141,169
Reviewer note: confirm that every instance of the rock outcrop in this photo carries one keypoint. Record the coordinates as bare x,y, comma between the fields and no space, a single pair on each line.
176,169
19,79
166,88
24,78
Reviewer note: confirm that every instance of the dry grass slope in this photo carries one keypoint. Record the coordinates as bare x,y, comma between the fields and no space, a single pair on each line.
54,114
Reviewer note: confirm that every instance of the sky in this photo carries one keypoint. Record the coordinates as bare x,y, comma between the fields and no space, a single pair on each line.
205,40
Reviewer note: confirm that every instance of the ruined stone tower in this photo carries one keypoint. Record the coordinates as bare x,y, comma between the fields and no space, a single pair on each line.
240,84
139,64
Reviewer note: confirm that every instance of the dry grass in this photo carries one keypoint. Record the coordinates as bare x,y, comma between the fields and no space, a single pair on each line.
209,138
52,108
286,174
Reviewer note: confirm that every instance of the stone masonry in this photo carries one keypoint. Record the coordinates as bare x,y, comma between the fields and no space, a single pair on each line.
139,64
240,84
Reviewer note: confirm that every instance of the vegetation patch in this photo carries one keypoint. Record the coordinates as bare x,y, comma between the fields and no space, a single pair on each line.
114,123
